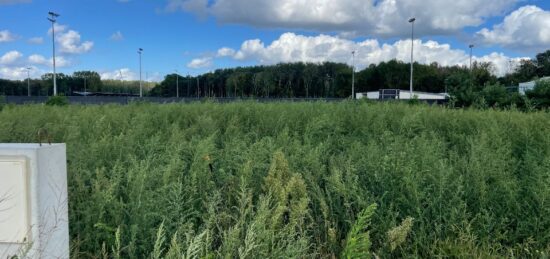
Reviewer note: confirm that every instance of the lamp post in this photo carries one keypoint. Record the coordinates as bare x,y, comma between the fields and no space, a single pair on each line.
140,50
411,21
198,89
471,75
188,84
122,83
471,51
29,81
353,75
177,84
85,89
53,19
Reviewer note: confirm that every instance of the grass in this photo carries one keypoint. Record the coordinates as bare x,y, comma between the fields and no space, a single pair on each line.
295,180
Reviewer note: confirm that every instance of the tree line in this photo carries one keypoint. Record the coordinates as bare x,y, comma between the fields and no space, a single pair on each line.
303,80
79,81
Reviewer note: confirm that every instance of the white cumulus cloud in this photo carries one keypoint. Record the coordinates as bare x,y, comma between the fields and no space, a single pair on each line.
7,36
528,27
226,52
20,72
13,73
70,40
60,61
200,63
291,47
120,74
366,17
10,57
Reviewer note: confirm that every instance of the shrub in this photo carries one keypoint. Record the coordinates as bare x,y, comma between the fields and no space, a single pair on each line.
59,100
414,100
496,96
2,102
540,95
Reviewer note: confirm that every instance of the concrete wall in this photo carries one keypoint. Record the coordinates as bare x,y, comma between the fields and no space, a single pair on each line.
44,193
405,95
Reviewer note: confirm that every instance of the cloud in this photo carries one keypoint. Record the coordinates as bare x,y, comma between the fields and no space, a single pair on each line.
128,75
60,61
386,18
200,63
36,40
120,74
7,36
10,57
15,73
14,67
291,47
526,28
117,36
70,43
69,40
225,52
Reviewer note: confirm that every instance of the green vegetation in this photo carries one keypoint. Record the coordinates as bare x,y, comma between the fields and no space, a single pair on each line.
2,102
541,94
59,100
307,80
299,180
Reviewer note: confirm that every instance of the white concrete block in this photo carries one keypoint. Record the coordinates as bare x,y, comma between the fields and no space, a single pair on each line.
33,201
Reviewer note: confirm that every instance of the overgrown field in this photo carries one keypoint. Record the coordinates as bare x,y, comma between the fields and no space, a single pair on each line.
299,180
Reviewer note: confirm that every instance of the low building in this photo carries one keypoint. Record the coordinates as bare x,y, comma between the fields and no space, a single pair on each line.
527,86
397,94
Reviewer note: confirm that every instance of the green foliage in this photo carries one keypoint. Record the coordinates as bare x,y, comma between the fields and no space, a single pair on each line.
414,100
540,95
59,100
358,242
398,235
495,96
2,102
292,180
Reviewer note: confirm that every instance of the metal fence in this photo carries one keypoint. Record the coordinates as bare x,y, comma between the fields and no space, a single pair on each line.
128,100
98,100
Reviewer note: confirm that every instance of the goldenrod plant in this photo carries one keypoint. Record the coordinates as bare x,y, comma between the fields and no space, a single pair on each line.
298,180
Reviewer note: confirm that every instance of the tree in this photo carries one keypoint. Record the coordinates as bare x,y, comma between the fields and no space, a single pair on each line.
540,94
91,78
526,71
543,64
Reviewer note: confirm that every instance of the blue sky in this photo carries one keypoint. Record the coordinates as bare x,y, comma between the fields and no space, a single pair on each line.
189,35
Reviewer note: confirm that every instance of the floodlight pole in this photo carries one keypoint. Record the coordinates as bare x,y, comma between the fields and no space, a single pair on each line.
471,52
140,50
177,85
471,75
353,75
188,84
412,20
53,19
198,88
29,81
122,82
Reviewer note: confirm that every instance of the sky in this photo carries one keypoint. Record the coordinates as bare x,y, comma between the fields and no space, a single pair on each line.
198,36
